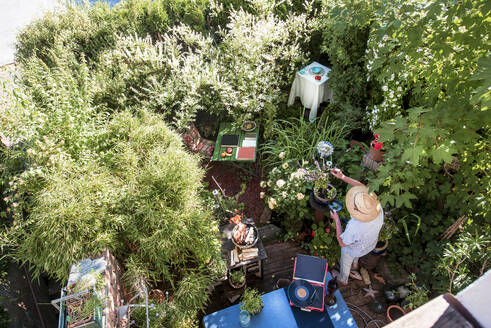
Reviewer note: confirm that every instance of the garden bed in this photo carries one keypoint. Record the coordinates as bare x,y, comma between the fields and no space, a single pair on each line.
231,177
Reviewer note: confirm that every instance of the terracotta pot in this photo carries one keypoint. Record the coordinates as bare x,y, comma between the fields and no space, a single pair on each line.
156,295
394,312
376,154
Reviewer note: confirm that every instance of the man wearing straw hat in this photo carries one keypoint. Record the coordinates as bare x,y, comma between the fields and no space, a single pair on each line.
361,233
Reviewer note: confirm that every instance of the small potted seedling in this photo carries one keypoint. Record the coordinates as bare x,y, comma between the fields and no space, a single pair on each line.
251,301
237,278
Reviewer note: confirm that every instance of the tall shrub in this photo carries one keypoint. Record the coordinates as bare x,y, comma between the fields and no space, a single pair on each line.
433,118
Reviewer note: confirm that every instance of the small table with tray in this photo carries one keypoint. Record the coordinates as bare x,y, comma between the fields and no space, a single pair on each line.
311,85
232,142
233,254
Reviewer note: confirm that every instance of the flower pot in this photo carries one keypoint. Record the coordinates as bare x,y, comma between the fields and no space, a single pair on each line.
394,312
323,200
238,285
282,283
376,154
381,248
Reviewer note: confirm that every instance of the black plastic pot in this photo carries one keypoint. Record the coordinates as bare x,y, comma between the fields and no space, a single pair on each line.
380,248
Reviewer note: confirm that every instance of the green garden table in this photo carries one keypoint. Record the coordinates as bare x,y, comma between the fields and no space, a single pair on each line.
228,128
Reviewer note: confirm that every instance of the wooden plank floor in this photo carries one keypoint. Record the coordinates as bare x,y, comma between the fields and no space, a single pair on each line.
279,264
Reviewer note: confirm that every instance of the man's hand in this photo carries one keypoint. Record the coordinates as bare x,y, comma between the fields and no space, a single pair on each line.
339,231
337,173
335,216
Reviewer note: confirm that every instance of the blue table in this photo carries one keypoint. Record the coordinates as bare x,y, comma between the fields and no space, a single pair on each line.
277,313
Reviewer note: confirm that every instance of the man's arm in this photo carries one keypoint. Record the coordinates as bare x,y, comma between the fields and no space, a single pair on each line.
339,230
339,174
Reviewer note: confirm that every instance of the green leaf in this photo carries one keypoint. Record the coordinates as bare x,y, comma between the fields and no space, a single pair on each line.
441,154
412,154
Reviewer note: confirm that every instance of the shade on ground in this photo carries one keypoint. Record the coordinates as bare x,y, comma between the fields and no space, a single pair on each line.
15,15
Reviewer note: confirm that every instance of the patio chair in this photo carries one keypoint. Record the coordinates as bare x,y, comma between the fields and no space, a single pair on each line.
196,143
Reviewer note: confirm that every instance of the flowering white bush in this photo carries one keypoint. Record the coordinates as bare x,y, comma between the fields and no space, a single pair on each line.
287,191
243,77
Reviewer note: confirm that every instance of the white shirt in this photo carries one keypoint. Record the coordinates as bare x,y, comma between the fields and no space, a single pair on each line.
361,237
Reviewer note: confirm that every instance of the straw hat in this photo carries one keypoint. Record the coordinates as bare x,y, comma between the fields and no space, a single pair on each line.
362,205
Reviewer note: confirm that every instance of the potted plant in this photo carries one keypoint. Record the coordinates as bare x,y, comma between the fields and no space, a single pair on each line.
237,278
386,232
251,301
376,152
324,192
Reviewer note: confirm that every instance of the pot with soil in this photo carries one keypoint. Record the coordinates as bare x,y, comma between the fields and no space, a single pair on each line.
237,278
324,194
394,312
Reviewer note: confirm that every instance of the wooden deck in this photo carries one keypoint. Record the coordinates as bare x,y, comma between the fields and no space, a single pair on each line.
279,264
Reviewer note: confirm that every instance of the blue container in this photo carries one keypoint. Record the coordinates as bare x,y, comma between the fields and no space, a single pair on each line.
316,70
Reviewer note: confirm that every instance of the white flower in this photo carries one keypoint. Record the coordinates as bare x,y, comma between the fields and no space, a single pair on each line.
262,184
385,88
282,155
261,194
280,183
269,183
300,196
305,162
272,203
285,165
283,194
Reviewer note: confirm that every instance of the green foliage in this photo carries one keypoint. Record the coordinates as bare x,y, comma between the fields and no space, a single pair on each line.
141,200
296,139
345,30
237,277
388,229
251,301
405,225
88,29
325,243
465,259
418,295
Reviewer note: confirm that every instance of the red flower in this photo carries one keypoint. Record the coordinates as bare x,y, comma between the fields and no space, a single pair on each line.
313,234
327,230
378,145
376,136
